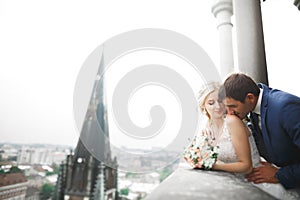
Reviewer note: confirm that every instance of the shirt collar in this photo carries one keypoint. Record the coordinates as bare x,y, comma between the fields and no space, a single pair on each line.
258,104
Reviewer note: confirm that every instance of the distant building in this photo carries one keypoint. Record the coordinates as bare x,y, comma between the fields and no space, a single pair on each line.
8,152
40,155
13,186
32,194
90,173
84,177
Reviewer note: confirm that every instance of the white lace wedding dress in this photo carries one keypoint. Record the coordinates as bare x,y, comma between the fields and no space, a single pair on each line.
227,154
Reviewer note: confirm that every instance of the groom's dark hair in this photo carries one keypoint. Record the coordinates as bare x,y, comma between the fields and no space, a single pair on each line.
237,86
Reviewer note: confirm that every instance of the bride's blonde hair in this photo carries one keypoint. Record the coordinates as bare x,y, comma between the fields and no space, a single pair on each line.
205,90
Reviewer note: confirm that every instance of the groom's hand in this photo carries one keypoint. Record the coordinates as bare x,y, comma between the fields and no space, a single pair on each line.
263,174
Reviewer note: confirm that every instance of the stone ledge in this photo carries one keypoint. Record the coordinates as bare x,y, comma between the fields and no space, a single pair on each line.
185,184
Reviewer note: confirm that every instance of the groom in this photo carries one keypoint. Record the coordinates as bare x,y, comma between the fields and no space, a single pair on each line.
276,116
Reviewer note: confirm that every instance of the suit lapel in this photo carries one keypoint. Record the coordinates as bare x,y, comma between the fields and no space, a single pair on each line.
264,112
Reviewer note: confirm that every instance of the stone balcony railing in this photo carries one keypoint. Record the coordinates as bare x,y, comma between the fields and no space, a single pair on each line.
190,184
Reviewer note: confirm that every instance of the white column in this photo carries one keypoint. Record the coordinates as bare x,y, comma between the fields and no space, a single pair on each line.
222,10
250,39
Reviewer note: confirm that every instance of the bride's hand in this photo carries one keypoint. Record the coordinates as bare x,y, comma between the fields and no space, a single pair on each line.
198,166
207,132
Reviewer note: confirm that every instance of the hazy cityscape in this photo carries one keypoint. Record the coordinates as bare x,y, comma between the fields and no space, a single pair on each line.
38,166
38,163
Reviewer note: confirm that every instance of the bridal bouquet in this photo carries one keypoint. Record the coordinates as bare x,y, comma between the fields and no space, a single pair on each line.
200,153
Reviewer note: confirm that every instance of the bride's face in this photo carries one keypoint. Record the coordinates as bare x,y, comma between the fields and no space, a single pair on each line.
213,107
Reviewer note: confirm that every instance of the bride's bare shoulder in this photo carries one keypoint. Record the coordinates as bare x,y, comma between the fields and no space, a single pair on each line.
235,124
232,119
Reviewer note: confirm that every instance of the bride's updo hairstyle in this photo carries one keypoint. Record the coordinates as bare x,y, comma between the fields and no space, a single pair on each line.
203,94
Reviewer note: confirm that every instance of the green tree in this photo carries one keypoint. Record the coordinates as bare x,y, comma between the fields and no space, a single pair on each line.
124,191
47,190
130,175
56,169
49,173
14,169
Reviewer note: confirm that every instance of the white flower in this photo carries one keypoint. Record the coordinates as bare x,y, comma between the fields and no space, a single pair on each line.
200,153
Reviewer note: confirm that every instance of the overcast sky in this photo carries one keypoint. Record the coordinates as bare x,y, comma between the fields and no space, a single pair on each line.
43,45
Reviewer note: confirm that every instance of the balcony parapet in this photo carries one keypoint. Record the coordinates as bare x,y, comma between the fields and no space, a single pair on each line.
186,184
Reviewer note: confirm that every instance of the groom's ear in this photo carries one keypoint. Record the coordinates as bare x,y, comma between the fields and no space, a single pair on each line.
250,98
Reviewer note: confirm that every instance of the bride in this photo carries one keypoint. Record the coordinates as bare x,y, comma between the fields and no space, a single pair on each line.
237,149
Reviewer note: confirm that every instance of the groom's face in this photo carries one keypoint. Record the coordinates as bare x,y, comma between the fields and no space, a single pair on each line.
235,107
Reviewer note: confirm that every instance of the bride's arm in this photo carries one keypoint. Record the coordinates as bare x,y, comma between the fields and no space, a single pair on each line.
239,136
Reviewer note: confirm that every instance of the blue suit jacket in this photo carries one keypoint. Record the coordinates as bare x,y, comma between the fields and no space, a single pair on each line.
280,124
